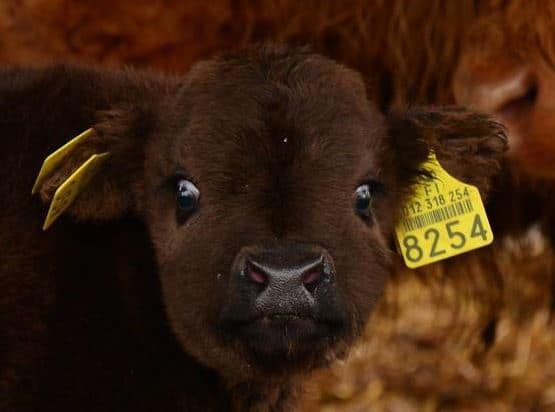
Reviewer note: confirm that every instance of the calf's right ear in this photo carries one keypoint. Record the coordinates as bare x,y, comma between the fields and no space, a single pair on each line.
118,137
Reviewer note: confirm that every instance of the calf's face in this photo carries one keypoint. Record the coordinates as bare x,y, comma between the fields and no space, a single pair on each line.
283,255
270,187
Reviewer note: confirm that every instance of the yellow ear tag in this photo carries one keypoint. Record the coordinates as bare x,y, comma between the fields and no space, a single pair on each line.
68,191
54,160
445,217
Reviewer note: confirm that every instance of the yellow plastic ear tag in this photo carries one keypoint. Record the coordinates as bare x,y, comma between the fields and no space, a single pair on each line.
68,191
445,217
53,161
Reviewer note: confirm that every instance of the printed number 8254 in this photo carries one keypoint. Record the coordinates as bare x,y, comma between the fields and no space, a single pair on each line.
435,244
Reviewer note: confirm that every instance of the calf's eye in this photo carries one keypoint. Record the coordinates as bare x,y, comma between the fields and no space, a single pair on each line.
363,200
187,196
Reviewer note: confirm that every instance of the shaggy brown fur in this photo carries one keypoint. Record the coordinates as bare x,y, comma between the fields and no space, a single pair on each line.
126,313
406,49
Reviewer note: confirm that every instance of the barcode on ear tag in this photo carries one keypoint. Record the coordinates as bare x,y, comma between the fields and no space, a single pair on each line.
72,186
445,217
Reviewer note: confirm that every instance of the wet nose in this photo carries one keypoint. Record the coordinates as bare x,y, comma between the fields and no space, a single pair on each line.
284,288
286,278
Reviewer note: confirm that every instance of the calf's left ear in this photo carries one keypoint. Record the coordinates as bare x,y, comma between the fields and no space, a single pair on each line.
469,145
112,189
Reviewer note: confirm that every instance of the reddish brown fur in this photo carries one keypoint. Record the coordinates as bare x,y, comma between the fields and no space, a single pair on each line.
407,49
111,315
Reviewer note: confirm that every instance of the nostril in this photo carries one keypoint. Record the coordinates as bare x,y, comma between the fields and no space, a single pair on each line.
531,94
313,274
521,103
311,279
283,276
255,274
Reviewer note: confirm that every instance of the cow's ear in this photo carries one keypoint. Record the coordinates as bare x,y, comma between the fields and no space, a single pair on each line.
469,145
114,186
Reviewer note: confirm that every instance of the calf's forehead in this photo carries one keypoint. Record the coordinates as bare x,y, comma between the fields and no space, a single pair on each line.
310,114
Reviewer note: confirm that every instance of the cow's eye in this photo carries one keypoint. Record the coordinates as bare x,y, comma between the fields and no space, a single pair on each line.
363,200
187,196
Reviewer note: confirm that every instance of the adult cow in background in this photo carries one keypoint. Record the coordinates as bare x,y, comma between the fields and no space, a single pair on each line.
507,68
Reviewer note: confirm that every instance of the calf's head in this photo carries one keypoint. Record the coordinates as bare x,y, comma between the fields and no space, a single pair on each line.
270,186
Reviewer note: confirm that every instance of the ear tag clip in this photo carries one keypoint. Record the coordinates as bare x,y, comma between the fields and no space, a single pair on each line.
445,217
67,192
54,160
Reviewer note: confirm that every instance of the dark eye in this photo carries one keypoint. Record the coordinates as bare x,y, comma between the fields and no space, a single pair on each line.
363,200
187,196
